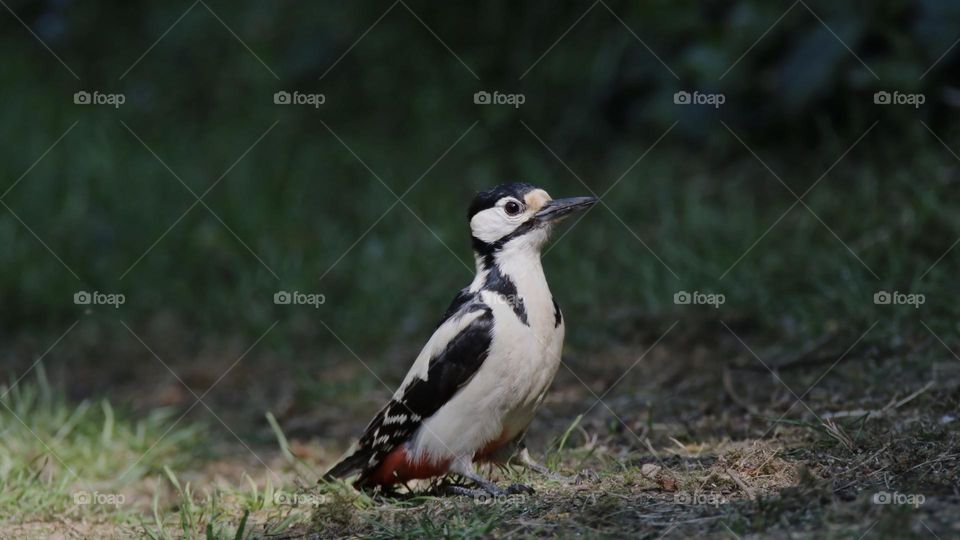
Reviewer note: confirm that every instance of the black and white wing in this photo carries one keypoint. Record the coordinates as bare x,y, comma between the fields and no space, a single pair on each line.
450,358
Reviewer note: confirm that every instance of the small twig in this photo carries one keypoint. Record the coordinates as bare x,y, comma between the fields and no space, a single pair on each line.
769,458
855,413
875,454
909,398
837,433
877,413
743,485
854,468
943,457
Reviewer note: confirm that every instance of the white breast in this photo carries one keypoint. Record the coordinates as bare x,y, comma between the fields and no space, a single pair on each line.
501,399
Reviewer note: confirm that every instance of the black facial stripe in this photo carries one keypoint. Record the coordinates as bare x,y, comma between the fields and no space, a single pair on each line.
501,284
557,317
486,250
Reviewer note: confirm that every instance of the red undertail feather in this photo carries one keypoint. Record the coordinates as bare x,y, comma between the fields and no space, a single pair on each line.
399,466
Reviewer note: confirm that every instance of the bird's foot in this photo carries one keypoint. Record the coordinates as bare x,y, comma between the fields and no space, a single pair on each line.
486,488
488,491
519,489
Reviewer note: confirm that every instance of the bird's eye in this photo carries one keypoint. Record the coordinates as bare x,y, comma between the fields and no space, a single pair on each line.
512,208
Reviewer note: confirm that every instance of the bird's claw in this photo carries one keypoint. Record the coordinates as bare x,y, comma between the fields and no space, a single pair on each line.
487,490
519,489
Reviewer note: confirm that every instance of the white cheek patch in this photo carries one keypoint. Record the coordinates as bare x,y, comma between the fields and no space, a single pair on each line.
491,225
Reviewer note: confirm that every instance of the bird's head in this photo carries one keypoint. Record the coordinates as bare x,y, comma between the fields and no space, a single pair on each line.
517,216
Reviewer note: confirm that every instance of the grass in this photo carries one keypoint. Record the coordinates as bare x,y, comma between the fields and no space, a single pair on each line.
90,470
58,458
702,456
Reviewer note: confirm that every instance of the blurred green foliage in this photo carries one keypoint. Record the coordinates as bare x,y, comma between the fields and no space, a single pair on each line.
311,198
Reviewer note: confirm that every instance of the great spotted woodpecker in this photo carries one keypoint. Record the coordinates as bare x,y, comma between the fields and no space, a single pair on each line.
474,388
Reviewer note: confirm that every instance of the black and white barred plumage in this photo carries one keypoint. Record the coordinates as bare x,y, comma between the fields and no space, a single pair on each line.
447,371
478,380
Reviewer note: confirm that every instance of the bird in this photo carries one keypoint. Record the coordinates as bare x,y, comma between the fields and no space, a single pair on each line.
473,389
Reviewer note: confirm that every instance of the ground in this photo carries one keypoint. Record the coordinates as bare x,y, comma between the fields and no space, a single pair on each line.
704,436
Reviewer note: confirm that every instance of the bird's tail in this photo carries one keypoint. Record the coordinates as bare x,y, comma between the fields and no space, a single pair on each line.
349,465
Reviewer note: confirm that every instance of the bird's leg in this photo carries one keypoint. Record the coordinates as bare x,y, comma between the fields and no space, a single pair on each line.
465,491
486,487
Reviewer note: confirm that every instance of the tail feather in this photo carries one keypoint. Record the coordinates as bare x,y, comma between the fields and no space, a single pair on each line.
350,465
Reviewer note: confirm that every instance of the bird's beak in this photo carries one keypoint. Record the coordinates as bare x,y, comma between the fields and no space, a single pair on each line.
559,208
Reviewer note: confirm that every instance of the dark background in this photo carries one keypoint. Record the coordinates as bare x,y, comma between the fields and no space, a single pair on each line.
309,198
